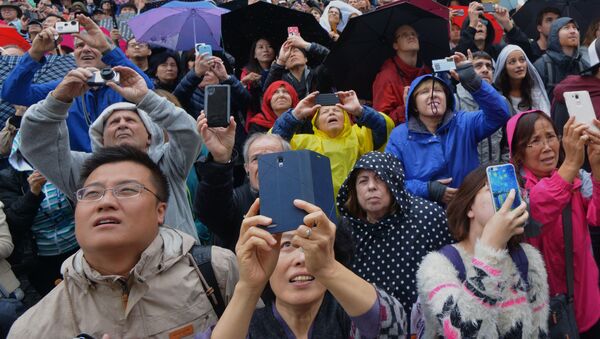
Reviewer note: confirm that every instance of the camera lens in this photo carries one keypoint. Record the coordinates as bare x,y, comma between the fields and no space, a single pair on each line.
73,22
107,74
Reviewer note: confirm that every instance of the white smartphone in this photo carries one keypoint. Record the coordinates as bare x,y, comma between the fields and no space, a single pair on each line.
579,105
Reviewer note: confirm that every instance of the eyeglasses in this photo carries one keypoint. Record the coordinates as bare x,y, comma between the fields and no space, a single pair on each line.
137,45
539,143
122,191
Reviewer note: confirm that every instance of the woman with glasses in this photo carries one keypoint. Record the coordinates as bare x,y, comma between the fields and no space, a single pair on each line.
519,81
551,179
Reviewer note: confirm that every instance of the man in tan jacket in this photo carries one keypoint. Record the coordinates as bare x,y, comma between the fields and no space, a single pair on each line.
133,277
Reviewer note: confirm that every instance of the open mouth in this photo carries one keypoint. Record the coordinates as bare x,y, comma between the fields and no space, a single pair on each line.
107,221
88,57
302,278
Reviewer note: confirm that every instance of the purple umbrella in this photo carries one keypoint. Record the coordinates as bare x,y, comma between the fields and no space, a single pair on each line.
180,28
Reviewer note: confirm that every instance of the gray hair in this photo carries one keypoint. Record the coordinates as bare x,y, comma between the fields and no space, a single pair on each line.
285,145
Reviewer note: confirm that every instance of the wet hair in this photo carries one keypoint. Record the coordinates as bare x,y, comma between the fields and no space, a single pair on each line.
523,131
285,146
544,11
253,65
126,153
459,223
352,204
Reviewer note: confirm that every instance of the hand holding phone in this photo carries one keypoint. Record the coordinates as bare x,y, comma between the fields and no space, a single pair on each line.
293,31
202,48
505,223
579,104
217,105
502,179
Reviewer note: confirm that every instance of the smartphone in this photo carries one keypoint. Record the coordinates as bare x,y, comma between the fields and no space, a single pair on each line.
285,176
443,65
67,27
31,15
202,48
501,179
293,30
217,105
489,8
327,99
579,105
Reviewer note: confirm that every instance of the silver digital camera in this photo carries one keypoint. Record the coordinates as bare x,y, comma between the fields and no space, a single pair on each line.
67,27
101,77
443,65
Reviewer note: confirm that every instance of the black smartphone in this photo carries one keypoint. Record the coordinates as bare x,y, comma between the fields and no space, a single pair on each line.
489,7
327,99
217,105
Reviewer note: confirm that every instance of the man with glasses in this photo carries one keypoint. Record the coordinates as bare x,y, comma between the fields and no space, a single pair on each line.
490,150
138,53
397,73
138,123
134,276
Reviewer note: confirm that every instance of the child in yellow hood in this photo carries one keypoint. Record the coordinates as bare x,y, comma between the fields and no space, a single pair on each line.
335,135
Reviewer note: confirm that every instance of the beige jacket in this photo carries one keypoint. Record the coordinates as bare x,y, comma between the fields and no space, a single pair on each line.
162,298
8,281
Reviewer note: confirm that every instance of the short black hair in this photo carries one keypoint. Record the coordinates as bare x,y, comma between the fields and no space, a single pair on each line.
546,10
111,155
482,55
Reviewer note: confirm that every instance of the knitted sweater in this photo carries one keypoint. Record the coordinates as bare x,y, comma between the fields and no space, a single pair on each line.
493,301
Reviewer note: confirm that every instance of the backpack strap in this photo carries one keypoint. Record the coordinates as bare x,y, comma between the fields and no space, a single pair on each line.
549,71
203,258
452,254
520,259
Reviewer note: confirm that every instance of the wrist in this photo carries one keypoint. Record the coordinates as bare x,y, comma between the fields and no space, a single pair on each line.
250,291
222,159
62,98
105,49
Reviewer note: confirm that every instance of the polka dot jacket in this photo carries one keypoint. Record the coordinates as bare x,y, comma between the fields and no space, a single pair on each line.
388,252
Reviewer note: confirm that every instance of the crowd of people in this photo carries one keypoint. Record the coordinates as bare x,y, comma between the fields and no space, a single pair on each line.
124,214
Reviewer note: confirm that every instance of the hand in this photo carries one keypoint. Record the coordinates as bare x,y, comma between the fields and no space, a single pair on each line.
307,107
460,60
250,78
95,37
44,42
450,192
475,9
503,17
218,140
505,223
132,86
24,22
316,238
73,85
349,102
257,250
19,110
202,64
405,94
574,140
115,34
36,181
219,69
334,36
298,42
284,53
593,149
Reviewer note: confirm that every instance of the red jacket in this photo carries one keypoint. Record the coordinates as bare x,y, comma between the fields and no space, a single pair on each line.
388,87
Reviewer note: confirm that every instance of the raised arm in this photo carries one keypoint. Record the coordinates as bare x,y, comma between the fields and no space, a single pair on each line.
288,122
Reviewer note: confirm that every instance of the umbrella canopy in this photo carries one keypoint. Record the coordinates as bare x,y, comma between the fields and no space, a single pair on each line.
460,19
180,25
9,36
243,26
583,11
367,42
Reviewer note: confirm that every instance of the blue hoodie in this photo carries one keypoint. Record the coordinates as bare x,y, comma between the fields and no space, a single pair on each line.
452,151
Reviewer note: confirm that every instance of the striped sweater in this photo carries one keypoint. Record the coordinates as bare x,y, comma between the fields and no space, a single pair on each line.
493,301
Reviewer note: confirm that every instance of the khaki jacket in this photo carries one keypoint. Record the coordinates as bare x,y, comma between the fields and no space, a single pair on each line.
8,281
162,298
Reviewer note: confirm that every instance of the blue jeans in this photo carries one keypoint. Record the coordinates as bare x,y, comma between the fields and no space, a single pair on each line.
10,310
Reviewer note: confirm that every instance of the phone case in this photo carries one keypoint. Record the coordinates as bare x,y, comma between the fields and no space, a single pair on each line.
203,48
217,105
327,99
579,104
285,176
293,30
501,179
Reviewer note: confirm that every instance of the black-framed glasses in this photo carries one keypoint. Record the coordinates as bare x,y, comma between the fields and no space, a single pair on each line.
122,191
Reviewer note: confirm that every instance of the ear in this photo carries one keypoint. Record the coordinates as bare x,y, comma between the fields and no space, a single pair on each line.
246,169
470,213
161,210
539,28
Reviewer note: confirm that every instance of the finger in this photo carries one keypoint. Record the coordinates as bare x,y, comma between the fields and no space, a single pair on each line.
454,75
305,232
306,206
469,54
232,124
445,181
510,198
258,236
568,125
251,224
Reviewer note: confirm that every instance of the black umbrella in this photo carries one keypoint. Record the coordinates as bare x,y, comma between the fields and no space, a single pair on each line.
241,27
583,11
367,40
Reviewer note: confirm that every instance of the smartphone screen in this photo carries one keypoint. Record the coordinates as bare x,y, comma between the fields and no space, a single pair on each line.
489,7
501,179
217,105
579,104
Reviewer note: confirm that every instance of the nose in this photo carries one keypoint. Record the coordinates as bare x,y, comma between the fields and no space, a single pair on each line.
108,201
299,257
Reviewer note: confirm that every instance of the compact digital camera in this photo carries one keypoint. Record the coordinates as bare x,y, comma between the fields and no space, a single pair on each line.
67,27
443,65
101,77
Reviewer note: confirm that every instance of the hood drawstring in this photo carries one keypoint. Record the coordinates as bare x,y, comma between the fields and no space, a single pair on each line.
71,308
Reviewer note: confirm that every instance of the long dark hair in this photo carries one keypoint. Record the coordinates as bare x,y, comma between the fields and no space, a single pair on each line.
253,65
459,223
526,86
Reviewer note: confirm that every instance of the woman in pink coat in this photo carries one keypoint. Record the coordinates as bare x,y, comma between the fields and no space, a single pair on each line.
535,151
